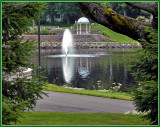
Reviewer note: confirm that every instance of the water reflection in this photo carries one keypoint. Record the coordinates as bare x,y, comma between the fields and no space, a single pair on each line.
68,65
84,68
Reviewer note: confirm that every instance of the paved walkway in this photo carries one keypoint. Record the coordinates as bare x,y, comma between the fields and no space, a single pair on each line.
66,102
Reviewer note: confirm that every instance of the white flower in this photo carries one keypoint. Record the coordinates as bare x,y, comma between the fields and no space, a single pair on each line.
127,112
119,84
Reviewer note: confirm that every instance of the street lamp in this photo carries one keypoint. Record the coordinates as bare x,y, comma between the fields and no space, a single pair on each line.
39,57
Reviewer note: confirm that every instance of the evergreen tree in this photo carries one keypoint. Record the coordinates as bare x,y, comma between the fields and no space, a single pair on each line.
144,67
18,94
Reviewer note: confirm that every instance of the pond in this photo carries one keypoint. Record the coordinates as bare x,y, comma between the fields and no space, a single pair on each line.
88,68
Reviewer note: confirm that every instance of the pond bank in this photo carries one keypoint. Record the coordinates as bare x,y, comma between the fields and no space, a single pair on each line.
97,93
104,45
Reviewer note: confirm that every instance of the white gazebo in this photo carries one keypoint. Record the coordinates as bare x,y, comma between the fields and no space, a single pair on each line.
83,20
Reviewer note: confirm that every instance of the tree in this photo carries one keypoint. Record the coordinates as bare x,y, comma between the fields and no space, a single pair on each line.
19,94
69,12
145,64
123,9
119,23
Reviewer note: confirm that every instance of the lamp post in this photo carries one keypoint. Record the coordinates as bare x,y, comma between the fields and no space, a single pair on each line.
39,57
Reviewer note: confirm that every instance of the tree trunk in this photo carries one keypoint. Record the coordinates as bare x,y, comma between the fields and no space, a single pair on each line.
45,19
111,19
52,16
52,19
68,19
124,12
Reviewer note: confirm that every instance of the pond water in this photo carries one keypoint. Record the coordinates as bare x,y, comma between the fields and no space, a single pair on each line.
88,68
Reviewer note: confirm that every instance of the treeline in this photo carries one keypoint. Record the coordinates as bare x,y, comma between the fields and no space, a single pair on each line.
58,13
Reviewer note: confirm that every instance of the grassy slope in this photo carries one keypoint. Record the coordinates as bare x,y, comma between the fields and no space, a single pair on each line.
60,118
109,94
113,35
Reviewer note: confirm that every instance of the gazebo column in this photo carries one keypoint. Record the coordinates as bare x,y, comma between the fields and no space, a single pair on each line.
80,29
89,28
86,29
77,28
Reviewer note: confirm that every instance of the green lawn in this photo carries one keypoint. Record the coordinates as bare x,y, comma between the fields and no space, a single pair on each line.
119,38
60,118
107,94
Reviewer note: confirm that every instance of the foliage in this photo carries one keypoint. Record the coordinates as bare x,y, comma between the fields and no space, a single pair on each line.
44,31
16,54
20,93
146,100
18,96
124,9
67,12
141,19
11,112
144,66
17,17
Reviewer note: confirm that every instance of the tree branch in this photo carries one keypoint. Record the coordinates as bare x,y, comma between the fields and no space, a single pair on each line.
113,20
147,6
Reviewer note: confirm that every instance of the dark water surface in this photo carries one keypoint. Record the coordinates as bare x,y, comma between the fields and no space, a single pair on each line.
88,68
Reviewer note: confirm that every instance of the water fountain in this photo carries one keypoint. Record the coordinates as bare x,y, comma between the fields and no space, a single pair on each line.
67,43
68,56
67,62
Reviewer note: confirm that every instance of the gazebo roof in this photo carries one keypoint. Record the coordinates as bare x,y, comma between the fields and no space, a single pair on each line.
83,20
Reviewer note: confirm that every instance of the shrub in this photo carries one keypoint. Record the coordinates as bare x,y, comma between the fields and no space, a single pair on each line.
146,100
48,28
44,31
142,19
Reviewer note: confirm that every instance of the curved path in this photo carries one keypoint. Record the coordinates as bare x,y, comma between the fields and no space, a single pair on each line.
66,102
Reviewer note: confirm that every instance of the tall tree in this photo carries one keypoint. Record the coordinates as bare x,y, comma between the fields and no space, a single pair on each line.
21,93
68,12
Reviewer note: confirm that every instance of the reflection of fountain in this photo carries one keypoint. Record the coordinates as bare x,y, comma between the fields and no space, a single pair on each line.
68,68
67,62
84,70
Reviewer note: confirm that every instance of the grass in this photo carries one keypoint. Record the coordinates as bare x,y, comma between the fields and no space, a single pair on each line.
107,94
120,38
60,118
